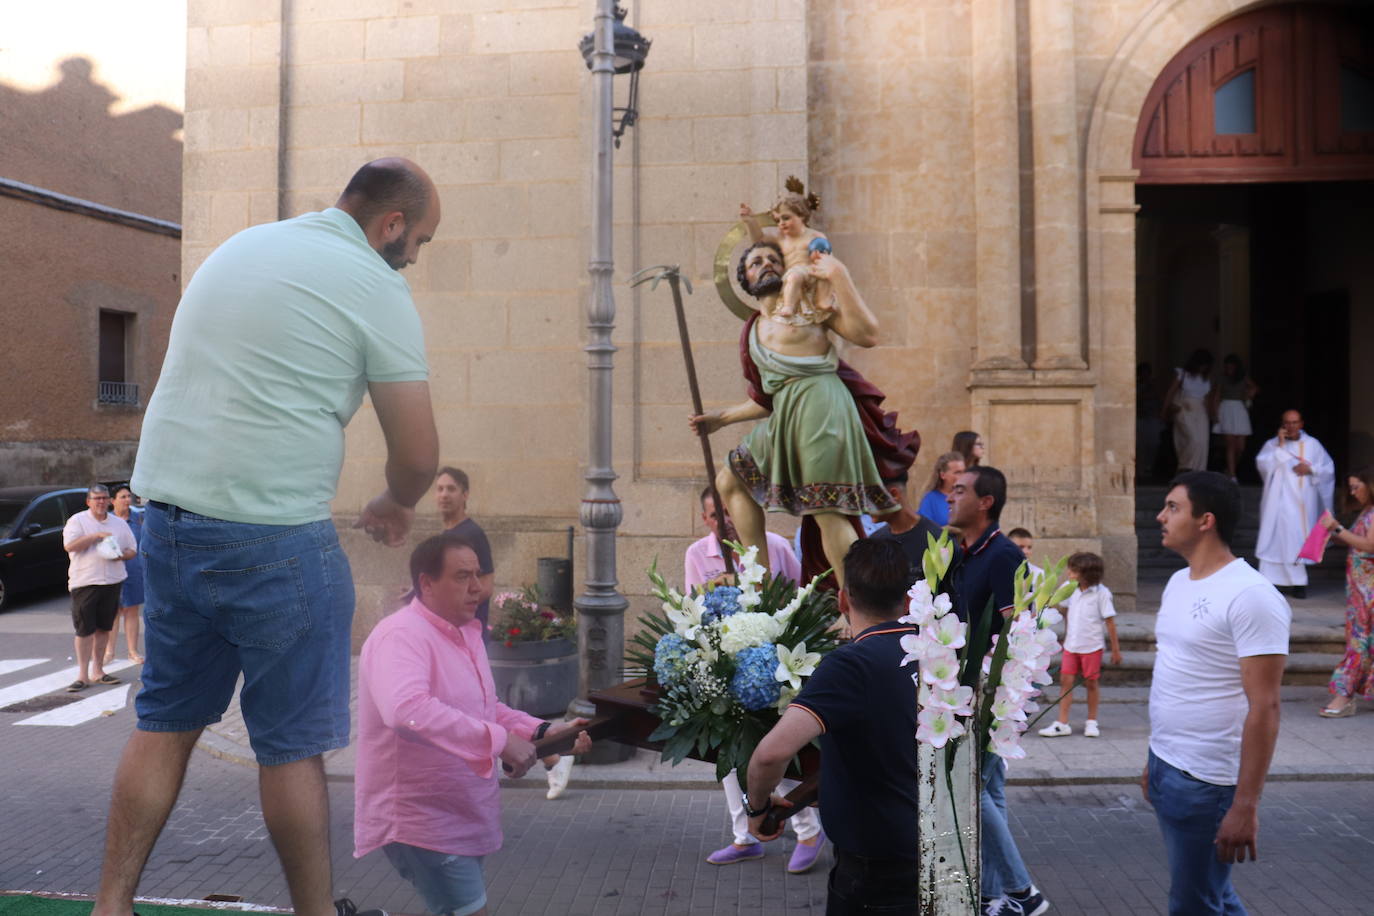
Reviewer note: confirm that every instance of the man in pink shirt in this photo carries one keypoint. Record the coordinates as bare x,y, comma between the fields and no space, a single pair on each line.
430,733
704,563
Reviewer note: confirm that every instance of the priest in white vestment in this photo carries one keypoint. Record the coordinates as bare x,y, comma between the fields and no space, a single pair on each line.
1299,483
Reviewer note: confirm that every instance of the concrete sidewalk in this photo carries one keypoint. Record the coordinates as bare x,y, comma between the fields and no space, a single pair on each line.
1309,748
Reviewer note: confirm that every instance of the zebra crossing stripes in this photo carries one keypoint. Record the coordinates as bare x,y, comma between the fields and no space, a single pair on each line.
49,683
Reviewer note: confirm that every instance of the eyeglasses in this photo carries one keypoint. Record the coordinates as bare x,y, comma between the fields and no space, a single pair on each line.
93,496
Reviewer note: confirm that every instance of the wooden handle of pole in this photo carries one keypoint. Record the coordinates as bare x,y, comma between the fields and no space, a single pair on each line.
685,338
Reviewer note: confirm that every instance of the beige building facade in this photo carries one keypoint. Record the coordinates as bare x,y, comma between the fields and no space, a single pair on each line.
975,162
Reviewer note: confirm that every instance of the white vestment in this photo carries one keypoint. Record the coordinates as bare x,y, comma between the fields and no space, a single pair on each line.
1291,504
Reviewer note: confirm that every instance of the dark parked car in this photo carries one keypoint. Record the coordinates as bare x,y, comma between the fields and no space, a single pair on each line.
31,520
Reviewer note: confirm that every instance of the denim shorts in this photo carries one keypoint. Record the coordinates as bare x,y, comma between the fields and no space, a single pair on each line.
451,885
272,602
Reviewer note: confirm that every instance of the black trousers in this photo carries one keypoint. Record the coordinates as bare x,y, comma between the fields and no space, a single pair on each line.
860,885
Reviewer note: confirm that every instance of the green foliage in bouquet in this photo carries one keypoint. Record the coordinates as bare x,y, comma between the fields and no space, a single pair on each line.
728,659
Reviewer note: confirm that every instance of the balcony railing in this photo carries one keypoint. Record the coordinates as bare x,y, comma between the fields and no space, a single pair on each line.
118,393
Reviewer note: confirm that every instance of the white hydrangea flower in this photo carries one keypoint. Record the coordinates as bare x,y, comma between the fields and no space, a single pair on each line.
742,630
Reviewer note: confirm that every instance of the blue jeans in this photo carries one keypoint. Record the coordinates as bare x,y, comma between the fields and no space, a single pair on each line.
1189,812
451,885
1003,870
273,602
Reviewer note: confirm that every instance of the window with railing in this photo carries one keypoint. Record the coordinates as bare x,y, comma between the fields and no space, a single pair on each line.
114,385
118,393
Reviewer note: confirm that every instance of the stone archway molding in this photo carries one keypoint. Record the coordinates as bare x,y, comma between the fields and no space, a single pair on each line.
1164,29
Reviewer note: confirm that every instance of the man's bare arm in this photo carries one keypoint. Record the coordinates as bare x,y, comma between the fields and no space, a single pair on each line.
1260,676
710,422
853,320
412,457
794,731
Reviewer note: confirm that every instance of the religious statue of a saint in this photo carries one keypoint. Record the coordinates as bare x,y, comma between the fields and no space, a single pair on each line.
822,435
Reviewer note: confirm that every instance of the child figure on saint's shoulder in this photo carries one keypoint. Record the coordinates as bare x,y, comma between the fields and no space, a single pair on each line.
805,299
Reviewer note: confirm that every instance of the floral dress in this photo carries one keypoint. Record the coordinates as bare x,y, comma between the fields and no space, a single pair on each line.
1353,676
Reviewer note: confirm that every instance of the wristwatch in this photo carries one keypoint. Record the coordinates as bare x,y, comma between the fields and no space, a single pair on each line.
750,812
541,730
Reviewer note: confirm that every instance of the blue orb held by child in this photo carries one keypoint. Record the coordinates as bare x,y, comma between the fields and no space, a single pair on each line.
819,246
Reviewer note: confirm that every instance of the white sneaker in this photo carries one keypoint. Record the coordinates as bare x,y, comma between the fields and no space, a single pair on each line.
1090,729
1056,729
558,776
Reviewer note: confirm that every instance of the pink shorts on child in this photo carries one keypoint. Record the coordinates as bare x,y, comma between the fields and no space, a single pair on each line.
1088,664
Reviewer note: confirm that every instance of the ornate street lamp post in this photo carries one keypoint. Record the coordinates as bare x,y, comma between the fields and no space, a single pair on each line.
611,48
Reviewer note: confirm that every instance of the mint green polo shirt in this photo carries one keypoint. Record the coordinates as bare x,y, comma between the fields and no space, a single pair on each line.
272,347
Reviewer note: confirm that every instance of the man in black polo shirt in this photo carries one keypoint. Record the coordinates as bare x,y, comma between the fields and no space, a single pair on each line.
910,529
862,705
982,580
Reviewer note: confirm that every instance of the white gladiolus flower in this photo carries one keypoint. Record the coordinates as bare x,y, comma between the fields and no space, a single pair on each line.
948,631
936,727
941,671
919,593
1006,705
1006,742
915,648
958,701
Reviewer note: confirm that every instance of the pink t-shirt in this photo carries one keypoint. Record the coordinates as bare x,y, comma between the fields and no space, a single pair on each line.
703,561
88,567
430,730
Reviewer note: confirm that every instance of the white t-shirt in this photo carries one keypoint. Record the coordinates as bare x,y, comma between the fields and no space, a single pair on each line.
1087,610
88,567
1205,627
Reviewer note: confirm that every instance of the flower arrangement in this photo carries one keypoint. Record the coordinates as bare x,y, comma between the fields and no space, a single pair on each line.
961,693
948,706
523,619
728,659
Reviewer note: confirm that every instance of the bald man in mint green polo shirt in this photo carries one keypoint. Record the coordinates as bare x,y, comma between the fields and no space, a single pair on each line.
277,338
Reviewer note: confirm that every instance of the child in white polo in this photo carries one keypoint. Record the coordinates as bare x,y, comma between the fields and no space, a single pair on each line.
1088,614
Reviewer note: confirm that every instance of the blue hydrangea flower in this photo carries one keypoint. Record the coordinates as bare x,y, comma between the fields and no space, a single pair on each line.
753,684
669,664
722,601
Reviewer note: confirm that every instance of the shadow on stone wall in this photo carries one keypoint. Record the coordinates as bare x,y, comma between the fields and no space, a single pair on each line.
64,138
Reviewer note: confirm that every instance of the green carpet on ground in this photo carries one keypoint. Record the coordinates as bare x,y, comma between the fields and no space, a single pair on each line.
46,906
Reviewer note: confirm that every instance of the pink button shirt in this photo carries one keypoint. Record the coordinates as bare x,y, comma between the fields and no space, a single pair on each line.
430,730
703,561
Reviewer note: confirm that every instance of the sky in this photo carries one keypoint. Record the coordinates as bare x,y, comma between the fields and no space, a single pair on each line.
137,47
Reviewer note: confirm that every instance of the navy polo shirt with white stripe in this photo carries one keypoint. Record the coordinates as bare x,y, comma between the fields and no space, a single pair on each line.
865,703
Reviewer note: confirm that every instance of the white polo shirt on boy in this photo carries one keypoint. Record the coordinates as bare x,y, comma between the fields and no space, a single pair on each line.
1084,616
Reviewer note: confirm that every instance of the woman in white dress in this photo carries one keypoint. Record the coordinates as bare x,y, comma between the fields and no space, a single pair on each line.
1186,400
1231,407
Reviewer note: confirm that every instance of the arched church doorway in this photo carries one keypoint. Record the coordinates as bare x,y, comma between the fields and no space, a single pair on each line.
1255,151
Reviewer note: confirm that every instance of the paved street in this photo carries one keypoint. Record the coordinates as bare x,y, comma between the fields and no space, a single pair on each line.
614,850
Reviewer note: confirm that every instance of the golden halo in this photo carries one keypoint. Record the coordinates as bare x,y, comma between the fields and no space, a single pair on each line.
725,268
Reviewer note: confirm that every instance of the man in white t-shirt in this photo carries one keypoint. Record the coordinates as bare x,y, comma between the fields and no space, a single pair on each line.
95,572
1222,640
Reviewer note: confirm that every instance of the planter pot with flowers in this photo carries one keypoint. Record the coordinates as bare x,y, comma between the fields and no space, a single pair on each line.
533,654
